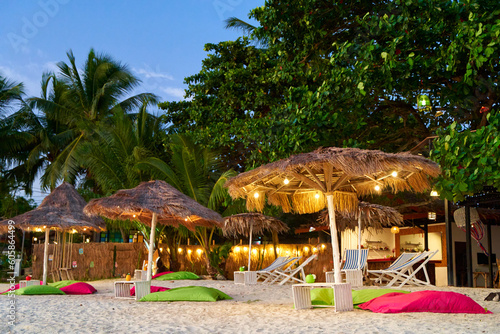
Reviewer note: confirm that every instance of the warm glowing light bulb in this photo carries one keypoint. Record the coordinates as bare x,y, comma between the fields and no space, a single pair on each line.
74,231
323,246
286,181
315,249
161,249
306,249
434,193
394,174
377,187
87,240
245,249
189,251
317,195
395,230
256,195
237,249
199,251
35,239
185,219
254,251
179,250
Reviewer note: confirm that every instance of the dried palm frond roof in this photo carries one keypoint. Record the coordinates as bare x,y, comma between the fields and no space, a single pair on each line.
372,215
300,182
62,209
171,206
240,225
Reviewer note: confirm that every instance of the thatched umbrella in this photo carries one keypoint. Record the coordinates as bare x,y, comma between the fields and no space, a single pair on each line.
62,210
248,224
368,215
154,202
307,182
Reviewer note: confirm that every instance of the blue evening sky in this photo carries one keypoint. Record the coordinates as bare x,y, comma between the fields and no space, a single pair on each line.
161,41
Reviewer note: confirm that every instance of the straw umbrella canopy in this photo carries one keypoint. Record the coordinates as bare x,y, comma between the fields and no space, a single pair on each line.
249,224
151,203
62,210
368,215
333,178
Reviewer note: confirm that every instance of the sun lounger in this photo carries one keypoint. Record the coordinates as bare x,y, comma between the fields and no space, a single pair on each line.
405,274
380,273
283,276
267,274
353,274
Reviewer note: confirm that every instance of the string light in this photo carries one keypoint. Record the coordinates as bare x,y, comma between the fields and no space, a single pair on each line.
199,251
256,195
317,195
286,181
434,193
394,174
237,249
245,249
189,251
179,250
377,187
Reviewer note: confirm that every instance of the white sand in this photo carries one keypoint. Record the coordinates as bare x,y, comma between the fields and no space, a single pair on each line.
254,309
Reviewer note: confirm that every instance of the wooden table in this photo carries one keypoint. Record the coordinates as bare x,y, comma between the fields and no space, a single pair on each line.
341,291
245,277
480,273
122,289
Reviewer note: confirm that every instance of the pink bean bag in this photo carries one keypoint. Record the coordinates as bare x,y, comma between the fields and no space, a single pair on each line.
153,289
79,288
161,274
424,301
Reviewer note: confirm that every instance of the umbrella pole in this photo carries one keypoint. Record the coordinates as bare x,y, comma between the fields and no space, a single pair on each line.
335,242
151,246
359,241
250,248
46,256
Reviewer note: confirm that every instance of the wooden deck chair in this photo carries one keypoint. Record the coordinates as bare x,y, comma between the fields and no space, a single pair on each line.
381,273
289,274
280,262
286,266
405,274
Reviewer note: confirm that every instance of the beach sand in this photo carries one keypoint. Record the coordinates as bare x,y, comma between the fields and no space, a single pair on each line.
254,309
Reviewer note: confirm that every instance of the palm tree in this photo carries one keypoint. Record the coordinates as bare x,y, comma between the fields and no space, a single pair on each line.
79,101
196,172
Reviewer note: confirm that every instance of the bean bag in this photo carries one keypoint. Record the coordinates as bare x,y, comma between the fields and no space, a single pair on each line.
424,301
178,276
161,274
15,288
153,289
62,284
188,293
39,290
78,288
325,296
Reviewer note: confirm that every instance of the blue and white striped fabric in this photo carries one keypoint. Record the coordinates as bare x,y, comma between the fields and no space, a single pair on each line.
351,259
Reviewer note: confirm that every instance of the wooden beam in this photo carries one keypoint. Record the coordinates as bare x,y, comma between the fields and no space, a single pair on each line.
327,174
340,181
308,181
315,177
281,186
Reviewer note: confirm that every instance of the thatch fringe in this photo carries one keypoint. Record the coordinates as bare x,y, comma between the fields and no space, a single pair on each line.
372,216
62,210
355,170
171,206
239,225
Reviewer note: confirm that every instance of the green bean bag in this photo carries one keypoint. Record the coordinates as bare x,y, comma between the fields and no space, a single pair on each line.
39,290
62,284
188,293
325,296
178,276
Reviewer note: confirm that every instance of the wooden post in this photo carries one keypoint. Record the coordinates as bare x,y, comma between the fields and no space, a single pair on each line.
335,242
468,246
490,260
151,246
449,243
46,256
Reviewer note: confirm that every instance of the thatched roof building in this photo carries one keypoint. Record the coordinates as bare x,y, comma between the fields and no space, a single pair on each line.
241,224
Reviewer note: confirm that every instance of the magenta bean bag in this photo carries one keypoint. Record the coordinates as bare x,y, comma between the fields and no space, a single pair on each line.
161,274
424,301
79,288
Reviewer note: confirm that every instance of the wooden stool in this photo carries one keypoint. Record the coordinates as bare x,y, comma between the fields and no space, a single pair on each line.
245,277
342,295
480,273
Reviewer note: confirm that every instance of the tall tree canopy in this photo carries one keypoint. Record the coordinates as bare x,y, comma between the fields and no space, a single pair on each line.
339,73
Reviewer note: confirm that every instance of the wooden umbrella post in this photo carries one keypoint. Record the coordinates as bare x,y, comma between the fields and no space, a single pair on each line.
250,248
46,256
359,239
151,246
335,242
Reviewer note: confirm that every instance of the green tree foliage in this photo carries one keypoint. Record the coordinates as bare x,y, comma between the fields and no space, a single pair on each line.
76,103
469,159
344,73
